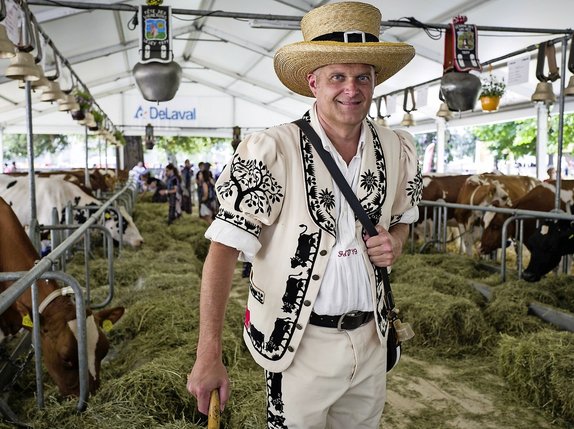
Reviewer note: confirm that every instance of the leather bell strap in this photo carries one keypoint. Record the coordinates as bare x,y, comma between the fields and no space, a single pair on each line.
547,51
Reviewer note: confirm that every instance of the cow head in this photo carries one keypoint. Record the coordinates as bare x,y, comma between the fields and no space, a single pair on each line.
492,232
547,246
60,346
130,233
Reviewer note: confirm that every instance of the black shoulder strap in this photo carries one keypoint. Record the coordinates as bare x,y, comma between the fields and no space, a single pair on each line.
348,193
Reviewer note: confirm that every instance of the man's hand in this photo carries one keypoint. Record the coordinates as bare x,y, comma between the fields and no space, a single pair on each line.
385,248
206,375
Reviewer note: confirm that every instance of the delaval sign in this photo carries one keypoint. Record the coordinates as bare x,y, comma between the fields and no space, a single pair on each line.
182,111
164,113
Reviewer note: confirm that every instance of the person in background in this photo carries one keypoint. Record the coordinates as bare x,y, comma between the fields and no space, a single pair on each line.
315,317
207,197
551,174
154,185
137,171
173,192
186,175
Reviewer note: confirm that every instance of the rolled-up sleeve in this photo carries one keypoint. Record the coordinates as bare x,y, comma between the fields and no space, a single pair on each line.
251,191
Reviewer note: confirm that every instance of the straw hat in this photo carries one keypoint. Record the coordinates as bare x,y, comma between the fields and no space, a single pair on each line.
339,33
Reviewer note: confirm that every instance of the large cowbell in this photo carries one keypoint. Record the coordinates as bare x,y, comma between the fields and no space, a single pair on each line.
459,88
157,75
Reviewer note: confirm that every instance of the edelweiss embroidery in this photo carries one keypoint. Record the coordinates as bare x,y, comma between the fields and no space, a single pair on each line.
415,187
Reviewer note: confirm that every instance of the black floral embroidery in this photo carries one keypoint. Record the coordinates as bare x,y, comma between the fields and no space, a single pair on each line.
327,199
253,185
415,187
369,181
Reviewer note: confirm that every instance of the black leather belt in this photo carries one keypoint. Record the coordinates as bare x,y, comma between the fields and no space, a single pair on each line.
348,321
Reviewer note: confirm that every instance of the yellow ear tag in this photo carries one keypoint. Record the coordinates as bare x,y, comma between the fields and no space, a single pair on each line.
108,216
107,325
27,321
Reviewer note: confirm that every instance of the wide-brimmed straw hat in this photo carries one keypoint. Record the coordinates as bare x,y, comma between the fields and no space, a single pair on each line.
339,33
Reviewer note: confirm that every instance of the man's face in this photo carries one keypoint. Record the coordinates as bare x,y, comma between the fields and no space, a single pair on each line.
344,92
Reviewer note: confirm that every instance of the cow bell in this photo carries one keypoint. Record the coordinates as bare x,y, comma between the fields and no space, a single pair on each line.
158,81
544,93
444,112
408,120
23,67
460,90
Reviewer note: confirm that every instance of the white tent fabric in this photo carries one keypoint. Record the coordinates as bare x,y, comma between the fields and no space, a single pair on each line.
227,62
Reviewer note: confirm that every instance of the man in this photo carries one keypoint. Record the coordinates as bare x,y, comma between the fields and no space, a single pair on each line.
315,318
186,175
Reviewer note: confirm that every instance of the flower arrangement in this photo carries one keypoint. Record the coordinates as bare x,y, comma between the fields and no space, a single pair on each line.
492,87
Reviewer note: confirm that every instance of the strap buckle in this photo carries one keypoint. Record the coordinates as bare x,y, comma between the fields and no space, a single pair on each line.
342,318
346,35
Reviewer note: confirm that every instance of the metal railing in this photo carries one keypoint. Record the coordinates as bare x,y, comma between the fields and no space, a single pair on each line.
43,270
438,236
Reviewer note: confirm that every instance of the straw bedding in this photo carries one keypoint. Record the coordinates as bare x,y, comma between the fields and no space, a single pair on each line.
153,345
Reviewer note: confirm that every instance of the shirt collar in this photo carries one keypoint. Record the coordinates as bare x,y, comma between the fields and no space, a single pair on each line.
325,140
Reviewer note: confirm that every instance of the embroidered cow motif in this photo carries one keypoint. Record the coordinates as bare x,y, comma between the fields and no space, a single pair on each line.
275,405
294,292
306,248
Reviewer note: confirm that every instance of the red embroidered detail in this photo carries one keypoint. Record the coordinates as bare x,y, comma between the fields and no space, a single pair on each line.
247,318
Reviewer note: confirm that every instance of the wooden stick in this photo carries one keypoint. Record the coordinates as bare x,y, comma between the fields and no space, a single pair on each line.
214,415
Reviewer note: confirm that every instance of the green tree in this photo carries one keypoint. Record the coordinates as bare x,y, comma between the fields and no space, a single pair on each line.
16,145
517,138
188,144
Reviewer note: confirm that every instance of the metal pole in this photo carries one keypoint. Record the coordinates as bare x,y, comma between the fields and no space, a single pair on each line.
86,172
561,124
31,173
270,17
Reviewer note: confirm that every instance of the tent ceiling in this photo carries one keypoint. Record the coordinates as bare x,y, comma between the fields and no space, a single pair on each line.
228,61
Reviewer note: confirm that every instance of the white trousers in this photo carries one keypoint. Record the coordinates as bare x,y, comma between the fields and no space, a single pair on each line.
336,381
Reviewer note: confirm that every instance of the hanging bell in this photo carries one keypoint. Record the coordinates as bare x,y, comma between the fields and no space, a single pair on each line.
382,121
53,93
408,120
444,112
7,48
544,93
68,104
23,67
569,90
41,84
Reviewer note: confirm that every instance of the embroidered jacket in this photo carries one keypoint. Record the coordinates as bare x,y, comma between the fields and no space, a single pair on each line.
277,188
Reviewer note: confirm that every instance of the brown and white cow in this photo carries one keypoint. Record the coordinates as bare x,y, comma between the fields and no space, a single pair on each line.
484,190
442,188
541,198
57,192
57,319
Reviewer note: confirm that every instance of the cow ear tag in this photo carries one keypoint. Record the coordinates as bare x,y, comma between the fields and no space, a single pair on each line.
107,325
27,321
108,216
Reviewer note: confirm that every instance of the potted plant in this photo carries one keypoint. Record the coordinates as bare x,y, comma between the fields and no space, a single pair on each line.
84,99
492,90
98,118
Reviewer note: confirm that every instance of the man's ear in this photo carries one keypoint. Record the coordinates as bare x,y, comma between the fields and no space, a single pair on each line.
312,81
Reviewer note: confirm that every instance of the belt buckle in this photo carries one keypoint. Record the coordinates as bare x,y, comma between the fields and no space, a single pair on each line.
342,318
